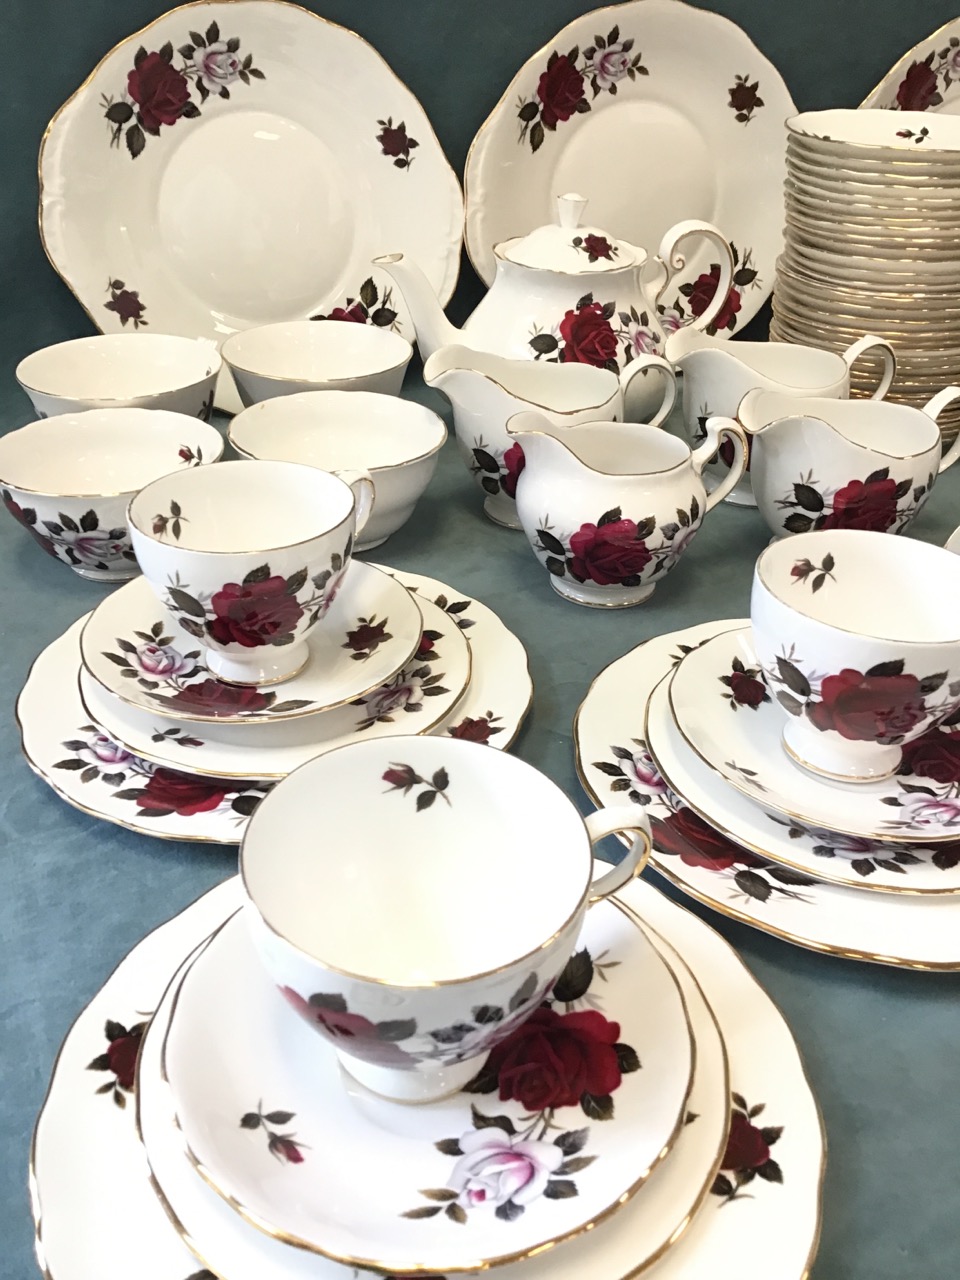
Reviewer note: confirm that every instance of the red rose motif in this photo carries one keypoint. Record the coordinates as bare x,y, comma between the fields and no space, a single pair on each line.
865,708
351,1032
127,305
186,794
588,337
401,776
933,755
18,514
366,636
217,698
699,295
696,843
598,247
285,1149
513,462
159,90
747,689
870,504
553,1059
425,647
254,613
122,1057
918,88
560,90
744,97
746,1146
356,314
474,730
608,554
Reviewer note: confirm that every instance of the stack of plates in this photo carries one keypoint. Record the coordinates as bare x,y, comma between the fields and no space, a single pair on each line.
872,244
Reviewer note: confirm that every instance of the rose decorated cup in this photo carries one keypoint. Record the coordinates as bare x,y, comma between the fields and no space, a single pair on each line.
248,557
68,479
436,911
858,637
315,355
122,370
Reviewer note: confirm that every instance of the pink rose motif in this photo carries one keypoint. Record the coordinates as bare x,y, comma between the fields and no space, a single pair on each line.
216,66
644,774
671,320
930,811
402,691
640,341
496,1168
160,660
103,750
610,65
96,546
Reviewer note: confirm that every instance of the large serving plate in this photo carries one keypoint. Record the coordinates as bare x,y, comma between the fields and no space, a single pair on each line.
927,78
610,108
233,164
906,930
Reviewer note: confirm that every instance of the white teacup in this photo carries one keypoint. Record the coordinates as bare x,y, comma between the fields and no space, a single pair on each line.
248,557
437,909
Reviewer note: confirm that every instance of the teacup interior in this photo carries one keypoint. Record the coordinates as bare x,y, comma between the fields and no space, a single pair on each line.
118,366
416,860
245,506
887,587
102,451
316,350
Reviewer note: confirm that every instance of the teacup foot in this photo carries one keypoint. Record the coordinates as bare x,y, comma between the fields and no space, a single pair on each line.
602,597
426,1082
502,511
840,761
271,666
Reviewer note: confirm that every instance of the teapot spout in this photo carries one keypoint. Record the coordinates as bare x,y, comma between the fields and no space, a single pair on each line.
433,328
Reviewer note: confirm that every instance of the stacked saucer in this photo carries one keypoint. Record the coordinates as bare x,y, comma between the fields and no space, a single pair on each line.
872,243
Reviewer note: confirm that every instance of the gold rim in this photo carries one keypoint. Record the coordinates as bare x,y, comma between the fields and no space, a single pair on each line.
284,377
484,1264
952,26
818,144
107,402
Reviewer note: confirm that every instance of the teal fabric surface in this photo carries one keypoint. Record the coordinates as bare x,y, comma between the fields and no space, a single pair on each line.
881,1045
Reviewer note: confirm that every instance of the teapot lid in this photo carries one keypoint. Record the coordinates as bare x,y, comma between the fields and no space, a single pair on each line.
568,248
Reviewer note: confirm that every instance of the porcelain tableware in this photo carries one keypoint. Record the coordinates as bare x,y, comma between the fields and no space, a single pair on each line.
319,172
716,377
875,138
859,637
306,355
407,1176
251,560
69,479
925,78
843,464
608,508
122,370
486,390
407,934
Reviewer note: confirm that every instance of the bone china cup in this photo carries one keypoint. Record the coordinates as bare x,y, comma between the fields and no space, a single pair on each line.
395,440
68,479
415,899
858,636
116,370
248,557
315,355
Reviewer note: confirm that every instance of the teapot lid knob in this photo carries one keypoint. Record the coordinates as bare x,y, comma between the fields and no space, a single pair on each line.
570,209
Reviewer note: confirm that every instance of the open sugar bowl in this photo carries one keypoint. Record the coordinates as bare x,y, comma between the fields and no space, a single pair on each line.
69,479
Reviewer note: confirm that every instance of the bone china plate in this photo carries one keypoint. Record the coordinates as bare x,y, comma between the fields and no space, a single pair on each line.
234,164
137,650
271,1121
925,79
610,108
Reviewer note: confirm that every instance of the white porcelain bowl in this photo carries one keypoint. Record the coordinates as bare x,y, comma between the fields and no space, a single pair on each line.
68,479
315,355
122,370
395,440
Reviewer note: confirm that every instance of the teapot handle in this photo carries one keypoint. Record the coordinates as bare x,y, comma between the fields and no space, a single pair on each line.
933,408
642,364
857,349
717,428
669,262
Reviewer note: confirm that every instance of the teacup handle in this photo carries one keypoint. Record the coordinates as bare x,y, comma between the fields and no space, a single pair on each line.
641,364
870,343
933,409
669,261
716,429
610,822
364,492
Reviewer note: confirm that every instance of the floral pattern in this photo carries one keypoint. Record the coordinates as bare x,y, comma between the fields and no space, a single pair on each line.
368,308
158,93
175,520
698,294
126,304
805,570
406,691
866,857
476,728
366,638
79,542
878,503
927,81
918,135
119,1059
596,333
396,143
189,457
497,472
283,1146
402,777
744,98
747,1155
562,88
745,685
595,247
617,551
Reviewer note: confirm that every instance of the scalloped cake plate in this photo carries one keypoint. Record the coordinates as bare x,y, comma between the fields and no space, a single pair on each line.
205,178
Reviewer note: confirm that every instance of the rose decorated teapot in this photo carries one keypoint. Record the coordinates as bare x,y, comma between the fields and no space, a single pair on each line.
565,293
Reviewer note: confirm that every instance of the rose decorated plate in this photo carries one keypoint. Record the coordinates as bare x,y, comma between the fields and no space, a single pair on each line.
609,107
925,79
907,930
746,753
152,657
347,167
271,1122
416,699
95,1205
94,773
